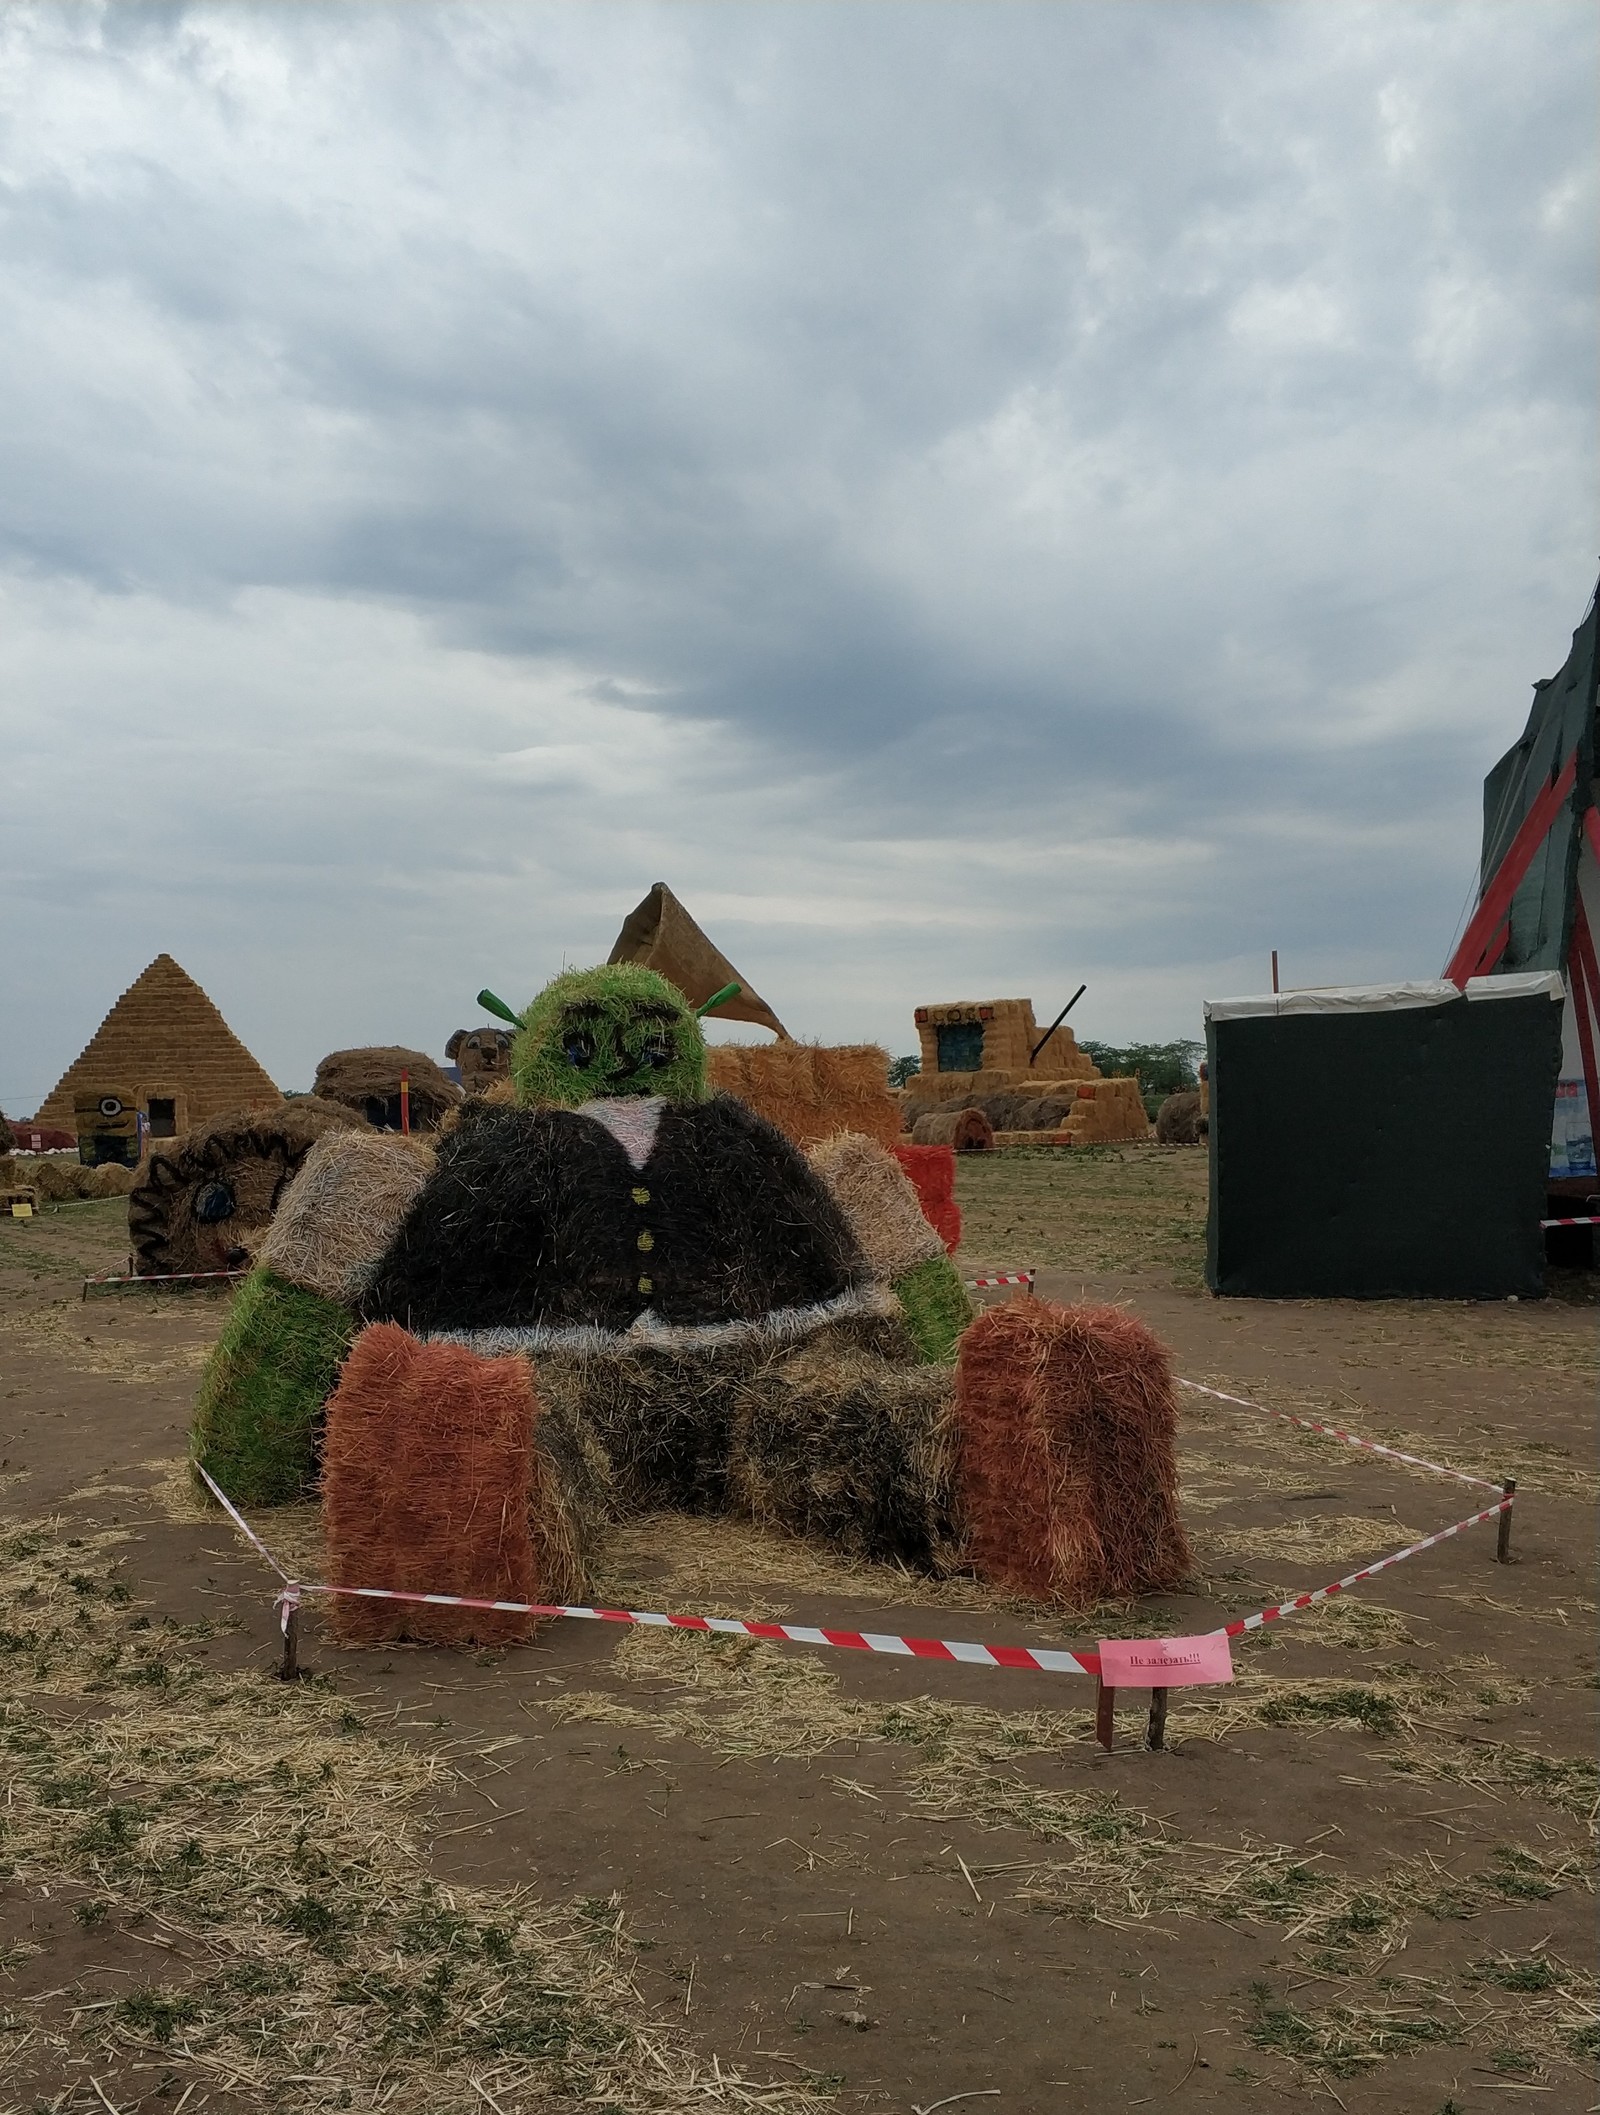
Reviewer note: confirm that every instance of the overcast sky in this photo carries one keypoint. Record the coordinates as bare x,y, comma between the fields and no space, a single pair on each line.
979,498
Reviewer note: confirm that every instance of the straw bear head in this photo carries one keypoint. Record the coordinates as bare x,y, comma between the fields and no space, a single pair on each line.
619,1029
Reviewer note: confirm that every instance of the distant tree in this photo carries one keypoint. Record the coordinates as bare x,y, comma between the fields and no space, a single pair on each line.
8,1140
903,1069
1160,1068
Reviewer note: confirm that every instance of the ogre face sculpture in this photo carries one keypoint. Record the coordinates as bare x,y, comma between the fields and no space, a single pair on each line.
595,1034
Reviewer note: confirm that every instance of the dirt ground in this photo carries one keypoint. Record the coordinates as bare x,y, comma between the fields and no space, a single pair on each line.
625,1870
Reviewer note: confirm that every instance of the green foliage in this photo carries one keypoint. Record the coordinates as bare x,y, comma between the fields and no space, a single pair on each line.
618,1029
1160,1068
936,1308
902,1070
259,1414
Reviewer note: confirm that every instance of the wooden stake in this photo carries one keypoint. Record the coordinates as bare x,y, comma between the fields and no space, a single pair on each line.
405,1102
1105,1703
1502,1547
289,1666
1157,1735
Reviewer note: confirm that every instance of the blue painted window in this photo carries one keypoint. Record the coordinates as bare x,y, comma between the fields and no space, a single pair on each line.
960,1046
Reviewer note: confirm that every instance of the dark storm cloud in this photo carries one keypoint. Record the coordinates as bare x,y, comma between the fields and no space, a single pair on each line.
1113,468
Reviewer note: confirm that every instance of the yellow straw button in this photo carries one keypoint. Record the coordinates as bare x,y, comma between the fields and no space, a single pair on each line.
647,1285
641,1196
647,1239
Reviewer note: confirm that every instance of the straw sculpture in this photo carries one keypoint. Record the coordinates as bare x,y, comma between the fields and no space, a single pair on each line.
367,1082
342,1209
258,1419
932,1171
1066,1479
964,1131
205,1202
810,1091
1181,1120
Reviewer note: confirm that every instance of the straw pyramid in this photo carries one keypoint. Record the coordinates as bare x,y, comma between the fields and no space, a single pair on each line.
164,1035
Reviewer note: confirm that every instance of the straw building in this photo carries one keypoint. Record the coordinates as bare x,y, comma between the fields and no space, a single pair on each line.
165,1049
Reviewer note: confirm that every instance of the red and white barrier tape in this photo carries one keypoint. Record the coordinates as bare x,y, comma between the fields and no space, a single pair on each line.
1021,1277
1569,1222
1367,1571
1370,1446
1040,1659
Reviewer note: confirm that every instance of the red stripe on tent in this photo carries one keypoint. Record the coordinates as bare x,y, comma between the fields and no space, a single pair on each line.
1495,903
1591,830
1585,1001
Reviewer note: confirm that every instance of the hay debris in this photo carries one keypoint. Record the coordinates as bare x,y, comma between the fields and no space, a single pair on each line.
1066,1471
342,1209
880,1201
258,1418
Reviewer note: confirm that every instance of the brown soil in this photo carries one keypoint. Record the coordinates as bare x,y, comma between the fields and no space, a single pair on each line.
759,1876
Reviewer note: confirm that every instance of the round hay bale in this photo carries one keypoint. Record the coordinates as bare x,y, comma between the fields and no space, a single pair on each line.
110,1180
964,1130
1043,1112
204,1202
1180,1121
367,1081
56,1180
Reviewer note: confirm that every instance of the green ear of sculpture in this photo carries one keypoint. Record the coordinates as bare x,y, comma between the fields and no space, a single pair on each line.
498,1007
617,1030
718,998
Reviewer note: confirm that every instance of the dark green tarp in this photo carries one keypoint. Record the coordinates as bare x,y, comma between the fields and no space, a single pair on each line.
1372,1150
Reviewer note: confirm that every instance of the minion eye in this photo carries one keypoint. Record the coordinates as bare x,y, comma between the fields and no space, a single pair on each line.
578,1049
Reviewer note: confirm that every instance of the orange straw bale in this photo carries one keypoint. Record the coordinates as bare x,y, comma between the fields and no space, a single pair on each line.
427,1474
811,1090
1066,1477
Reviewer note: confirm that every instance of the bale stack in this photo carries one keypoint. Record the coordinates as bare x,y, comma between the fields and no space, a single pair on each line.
1066,1476
809,1091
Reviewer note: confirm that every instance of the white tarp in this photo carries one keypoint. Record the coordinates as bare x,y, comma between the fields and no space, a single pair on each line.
1387,998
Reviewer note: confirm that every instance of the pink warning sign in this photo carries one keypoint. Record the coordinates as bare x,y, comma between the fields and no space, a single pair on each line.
1164,1663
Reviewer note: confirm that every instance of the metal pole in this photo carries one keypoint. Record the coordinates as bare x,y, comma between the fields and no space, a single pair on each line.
1502,1546
1274,969
1157,1735
1056,1023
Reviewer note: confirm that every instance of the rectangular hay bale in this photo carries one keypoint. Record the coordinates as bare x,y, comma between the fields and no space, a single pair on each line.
427,1475
1066,1469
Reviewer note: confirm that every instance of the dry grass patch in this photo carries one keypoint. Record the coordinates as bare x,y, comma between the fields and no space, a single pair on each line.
278,1847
